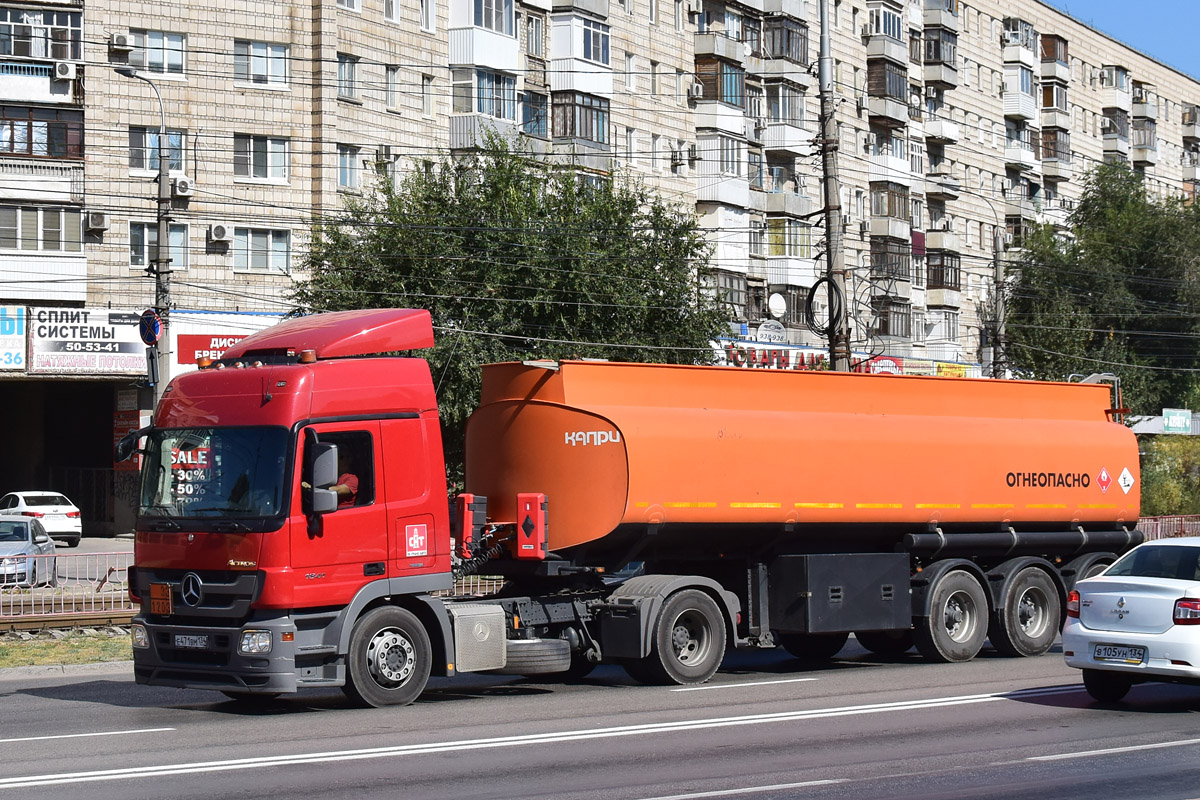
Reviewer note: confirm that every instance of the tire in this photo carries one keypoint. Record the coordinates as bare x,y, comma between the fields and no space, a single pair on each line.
1027,622
535,657
581,666
1107,687
957,623
886,643
813,646
689,641
72,542
389,660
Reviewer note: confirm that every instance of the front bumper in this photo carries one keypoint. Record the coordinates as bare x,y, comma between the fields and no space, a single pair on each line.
218,664
1171,655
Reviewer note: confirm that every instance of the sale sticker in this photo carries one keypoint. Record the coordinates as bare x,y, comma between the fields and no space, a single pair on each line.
416,540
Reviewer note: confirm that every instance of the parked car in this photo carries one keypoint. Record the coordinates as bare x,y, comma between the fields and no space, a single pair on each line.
1137,621
26,553
57,514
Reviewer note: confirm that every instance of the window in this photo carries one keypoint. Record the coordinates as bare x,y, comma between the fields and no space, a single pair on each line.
1054,95
787,38
143,237
41,33
533,114
352,5
944,270
495,93
261,249
731,156
731,290
733,24
752,36
1115,78
679,15
890,200
893,319
581,116
347,80
348,167
1145,134
629,72
1054,48
885,79
595,41
886,22
260,62
653,11
722,81
391,10
156,51
890,258
260,157
1056,145
143,148
427,95
1026,80
33,228
653,78
535,35
41,132
392,86
654,145
754,169
941,47
428,15
495,15
788,237
889,143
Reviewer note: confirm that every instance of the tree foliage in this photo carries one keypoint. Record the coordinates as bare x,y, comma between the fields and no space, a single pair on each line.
1170,475
1121,294
518,259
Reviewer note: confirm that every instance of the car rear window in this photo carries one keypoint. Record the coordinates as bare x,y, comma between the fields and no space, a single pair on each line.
1163,561
46,500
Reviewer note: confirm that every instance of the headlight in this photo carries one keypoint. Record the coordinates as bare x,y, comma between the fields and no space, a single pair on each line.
140,640
9,562
255,643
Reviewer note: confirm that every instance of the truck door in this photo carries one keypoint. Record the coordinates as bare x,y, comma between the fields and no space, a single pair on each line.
342,550
418,542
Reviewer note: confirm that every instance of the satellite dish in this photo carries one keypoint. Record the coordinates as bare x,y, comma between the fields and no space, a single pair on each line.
777,305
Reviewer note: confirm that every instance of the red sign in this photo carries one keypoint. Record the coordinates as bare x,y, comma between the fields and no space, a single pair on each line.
126,422
416,540
1104,479
202,345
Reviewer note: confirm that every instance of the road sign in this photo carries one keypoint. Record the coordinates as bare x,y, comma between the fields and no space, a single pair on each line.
1177,420
150,327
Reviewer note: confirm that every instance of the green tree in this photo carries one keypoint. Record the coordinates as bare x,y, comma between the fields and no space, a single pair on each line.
517,258
1121,294
1170,475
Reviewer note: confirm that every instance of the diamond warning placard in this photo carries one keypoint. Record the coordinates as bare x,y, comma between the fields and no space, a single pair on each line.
1104,480
1126,480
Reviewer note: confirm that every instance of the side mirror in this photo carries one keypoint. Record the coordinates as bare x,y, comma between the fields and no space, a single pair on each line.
127,445
320,473
41,538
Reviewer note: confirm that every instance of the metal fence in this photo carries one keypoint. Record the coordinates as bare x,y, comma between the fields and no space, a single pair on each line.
77,586
1170,527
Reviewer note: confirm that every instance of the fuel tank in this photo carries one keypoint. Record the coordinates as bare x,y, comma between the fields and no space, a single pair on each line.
646,447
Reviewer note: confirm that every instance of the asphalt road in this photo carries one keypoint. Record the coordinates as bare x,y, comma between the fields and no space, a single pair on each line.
765,727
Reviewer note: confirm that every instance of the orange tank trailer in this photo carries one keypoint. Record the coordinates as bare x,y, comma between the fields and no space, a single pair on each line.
620,446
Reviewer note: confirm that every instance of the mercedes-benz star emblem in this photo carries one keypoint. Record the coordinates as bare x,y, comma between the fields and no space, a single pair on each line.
191,588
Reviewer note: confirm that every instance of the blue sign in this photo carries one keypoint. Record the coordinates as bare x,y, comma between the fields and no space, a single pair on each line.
150,327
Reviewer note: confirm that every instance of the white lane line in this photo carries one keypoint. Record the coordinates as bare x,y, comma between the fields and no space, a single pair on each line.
1130,749
708,686
746,790
191,768
83,735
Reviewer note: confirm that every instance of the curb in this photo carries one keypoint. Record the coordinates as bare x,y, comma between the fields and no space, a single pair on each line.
59,670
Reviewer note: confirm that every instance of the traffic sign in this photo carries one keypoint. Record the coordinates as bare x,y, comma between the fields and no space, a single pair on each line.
150,327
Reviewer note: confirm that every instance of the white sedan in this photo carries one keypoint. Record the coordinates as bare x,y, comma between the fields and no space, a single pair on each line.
1138,621
58,515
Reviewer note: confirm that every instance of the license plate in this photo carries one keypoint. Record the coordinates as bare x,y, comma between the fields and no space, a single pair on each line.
1120,653
160,599
191,641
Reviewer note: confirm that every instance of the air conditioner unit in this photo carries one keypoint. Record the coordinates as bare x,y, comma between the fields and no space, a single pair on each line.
220,232
696,91
861,101
64,70
183,186
864,229
845,220
760,124
120,42
693,153
866,30
677,158
1008,239
942,224
96,221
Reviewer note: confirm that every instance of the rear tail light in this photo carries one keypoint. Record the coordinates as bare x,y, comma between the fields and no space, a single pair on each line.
1187,612
33,513
1073,604
73,514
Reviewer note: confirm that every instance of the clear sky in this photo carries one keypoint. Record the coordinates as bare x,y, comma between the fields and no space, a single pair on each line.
1162,29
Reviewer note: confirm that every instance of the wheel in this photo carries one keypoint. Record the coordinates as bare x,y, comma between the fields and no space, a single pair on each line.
1107,687
581,666
886,643
1095,569
389,659
813,646
689,641
536,657
957,621
1028,621
72,541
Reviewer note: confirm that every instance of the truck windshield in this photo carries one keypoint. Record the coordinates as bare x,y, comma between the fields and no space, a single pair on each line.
214,472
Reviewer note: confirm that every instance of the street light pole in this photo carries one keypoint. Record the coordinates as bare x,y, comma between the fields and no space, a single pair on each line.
161,261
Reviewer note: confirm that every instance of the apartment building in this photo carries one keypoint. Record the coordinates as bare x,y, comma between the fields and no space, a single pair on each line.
960,125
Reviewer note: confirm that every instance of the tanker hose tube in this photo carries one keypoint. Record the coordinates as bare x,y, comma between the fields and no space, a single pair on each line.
472,565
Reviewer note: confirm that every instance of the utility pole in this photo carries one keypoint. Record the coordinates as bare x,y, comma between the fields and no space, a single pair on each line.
160,263
839,304
998,351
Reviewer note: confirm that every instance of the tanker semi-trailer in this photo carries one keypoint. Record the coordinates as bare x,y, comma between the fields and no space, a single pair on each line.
650,516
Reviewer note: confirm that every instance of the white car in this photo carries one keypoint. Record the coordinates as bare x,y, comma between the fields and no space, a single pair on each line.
58,515
1137,621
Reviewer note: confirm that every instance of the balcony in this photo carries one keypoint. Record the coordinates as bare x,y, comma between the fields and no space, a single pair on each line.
1056,71
942,240
787,70
891,227
787,204
1116,97
486,48
468,131
1191,165
887,110
720,46
1017,206
788,8
943,298
598,8
756,129
718,116
1058,169
787,138
1056,118
1145,154
882,46
1058,213
885,167
791,271
727,190
1191,124
1020,155
1017,53
30,82
941,15
1116,145
941,183
941,131
1018,105
941,74
1145,106
41,180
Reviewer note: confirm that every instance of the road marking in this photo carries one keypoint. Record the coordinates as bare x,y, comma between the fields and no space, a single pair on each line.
82,735
708,686
747,790
1111,750
654,728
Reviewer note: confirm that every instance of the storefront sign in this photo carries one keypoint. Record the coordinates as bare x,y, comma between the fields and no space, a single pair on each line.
772,331
193,346
12,337
744,354
85,341
127,422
